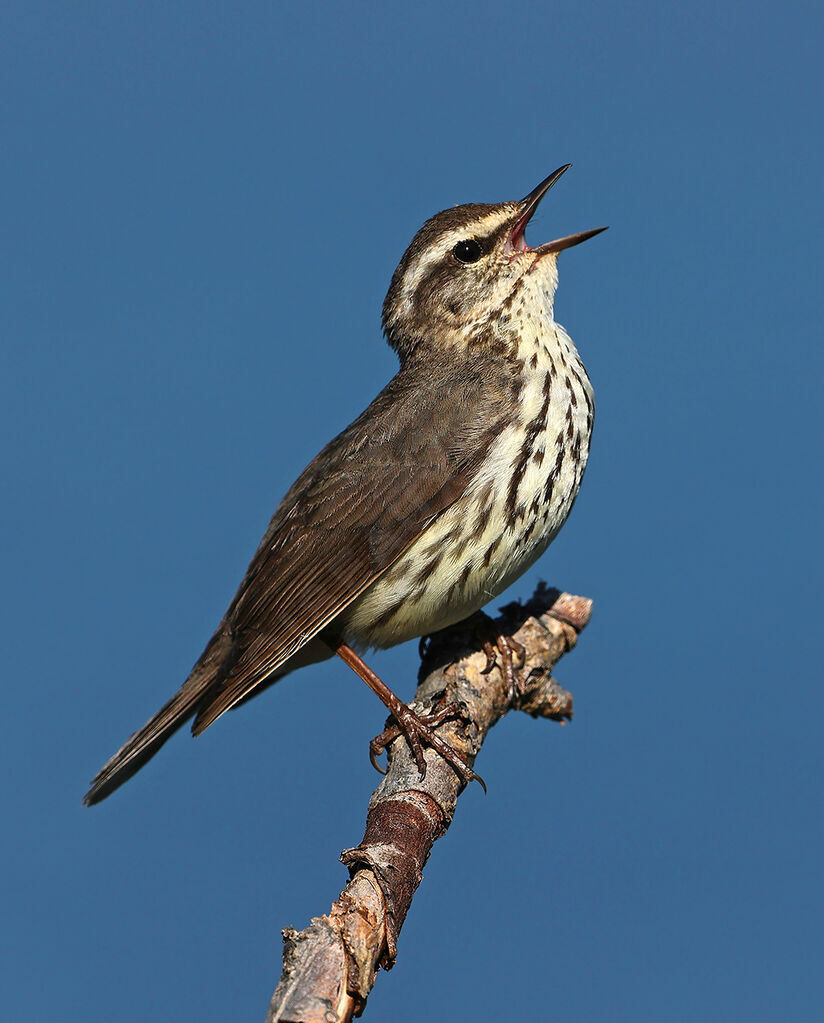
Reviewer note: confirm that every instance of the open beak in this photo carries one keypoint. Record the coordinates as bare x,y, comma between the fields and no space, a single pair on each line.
528,206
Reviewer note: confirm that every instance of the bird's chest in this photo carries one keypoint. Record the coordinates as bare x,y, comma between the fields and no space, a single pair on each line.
508,515
534,471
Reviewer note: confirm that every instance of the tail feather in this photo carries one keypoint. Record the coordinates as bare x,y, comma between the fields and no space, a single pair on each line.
257,679
215,661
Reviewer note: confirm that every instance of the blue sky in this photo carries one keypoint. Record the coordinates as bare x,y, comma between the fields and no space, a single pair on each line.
202,206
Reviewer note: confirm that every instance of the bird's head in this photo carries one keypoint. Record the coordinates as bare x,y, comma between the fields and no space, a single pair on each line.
465,268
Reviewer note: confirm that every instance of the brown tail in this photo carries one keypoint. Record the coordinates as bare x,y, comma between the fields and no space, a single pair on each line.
214,662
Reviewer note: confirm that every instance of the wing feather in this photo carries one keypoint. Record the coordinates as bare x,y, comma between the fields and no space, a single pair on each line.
355,509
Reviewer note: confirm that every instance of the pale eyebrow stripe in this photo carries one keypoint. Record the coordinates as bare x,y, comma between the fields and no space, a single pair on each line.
417,270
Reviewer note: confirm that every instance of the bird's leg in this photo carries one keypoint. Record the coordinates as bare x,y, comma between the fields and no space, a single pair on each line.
417,729
506,646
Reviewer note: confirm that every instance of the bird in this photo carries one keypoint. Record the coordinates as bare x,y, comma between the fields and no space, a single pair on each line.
450,484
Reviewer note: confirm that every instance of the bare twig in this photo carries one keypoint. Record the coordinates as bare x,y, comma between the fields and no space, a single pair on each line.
329,968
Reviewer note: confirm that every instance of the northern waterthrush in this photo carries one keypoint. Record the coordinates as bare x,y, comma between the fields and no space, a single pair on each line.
446,488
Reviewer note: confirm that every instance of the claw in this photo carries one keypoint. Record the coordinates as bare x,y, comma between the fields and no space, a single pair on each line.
507,646
520,650
491,659
417,730
373,759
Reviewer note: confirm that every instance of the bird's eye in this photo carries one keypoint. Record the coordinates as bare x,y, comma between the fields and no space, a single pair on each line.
468,251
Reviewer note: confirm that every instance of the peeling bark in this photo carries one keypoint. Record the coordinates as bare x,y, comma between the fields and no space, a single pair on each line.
329,968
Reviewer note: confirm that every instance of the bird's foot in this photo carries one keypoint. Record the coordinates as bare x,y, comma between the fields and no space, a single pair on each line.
417,730
513,658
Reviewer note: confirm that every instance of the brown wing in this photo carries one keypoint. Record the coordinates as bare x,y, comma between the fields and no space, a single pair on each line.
348,517
355,509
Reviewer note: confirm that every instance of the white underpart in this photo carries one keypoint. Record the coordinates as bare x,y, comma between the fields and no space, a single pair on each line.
422,609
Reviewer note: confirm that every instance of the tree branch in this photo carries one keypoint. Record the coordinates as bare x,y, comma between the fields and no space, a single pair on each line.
329,968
